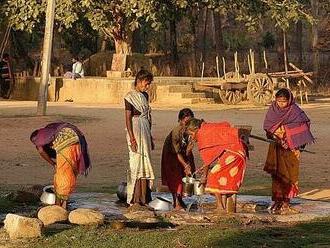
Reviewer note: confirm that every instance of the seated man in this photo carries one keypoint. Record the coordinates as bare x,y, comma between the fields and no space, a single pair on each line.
77,69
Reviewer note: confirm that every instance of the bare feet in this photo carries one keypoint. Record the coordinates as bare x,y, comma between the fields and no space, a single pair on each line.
275,208
178,208
287,209
220,210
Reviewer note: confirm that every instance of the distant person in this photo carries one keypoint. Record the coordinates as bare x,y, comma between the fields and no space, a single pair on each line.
77,69
140,142
289,126
177,158
64,147
6,77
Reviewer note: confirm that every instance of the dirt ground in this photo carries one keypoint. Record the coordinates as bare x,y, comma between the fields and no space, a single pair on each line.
104,129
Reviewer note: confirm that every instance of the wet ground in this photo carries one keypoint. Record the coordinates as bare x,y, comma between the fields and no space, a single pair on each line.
248,205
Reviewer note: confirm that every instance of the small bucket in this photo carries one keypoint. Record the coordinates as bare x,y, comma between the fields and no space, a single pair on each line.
188,186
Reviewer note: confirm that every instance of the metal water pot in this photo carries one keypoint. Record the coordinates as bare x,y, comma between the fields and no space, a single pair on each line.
199,189
48,196
122,191
188,186
161,204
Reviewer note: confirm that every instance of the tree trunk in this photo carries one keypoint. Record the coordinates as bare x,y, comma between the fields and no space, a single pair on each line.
104,42
219,44
173,41
279,50
285,52
193,29
204,34
299,44
315,39
123,46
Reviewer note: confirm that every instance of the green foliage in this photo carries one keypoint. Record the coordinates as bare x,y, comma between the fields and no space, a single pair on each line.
119,18
80,39
287,12
235,41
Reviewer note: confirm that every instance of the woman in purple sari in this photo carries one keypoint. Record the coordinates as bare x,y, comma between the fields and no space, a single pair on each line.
289,126
64,147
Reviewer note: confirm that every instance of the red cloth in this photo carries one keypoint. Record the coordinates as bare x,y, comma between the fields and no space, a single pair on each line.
227,174
214,138
171,168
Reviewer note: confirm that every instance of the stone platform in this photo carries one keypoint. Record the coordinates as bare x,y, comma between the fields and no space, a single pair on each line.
174,90
248,205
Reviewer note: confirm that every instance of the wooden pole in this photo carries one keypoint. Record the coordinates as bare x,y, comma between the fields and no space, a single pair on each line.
46,58
249,63
265,60
217,62
224,67
285,52
203,65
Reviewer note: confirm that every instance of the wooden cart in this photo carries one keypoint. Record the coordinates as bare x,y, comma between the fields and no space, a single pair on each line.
258,88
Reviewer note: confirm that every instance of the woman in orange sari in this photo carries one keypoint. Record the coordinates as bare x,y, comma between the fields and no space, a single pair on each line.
219,145
64,147
289,126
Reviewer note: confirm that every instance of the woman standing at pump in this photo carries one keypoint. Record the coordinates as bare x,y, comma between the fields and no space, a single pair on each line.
139,139
177,158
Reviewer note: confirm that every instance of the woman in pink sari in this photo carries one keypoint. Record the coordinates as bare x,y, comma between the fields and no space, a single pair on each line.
289,126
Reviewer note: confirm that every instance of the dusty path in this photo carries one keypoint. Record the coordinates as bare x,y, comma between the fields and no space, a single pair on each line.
103,126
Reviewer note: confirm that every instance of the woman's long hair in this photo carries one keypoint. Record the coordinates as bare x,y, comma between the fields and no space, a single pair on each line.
194,124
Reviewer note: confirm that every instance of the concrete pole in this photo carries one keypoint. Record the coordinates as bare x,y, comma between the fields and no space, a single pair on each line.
46,58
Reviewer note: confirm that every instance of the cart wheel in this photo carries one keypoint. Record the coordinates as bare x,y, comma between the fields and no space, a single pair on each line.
260,89
231,96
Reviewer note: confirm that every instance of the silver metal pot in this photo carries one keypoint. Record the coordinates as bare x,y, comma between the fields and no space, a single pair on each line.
188,186
199,188
122,191
161,204
48,196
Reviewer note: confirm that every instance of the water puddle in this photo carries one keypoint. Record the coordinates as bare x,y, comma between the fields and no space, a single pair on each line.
109,205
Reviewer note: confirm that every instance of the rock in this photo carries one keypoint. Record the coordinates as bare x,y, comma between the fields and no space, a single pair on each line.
22,227
83,216
52,214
